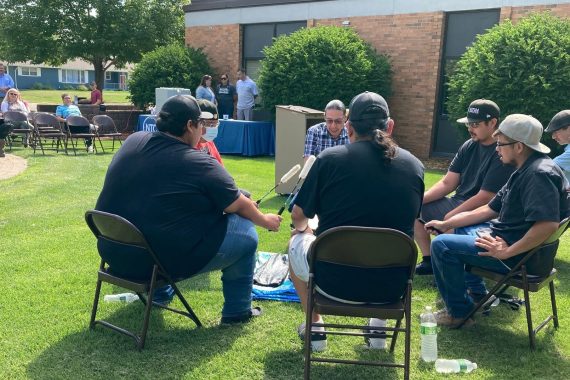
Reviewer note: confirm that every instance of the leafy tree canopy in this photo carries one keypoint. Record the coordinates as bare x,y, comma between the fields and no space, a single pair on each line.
315,65
102,32
523,67
168,66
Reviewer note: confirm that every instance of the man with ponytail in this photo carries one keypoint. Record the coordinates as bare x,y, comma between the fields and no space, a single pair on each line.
370,182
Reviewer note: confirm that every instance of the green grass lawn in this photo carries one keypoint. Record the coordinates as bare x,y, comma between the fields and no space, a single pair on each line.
54,96
49,265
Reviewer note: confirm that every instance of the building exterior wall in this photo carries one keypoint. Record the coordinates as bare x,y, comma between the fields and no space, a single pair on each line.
412,40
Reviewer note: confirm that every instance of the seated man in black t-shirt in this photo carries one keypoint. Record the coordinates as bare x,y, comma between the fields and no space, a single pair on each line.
370,182
528,209
187,205
475,175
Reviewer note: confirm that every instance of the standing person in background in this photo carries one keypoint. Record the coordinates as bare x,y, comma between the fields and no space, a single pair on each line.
96,96
246,92
558,126
6,82
204,90
226,97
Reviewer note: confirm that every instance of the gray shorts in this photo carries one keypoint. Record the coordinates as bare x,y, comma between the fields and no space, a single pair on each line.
436,210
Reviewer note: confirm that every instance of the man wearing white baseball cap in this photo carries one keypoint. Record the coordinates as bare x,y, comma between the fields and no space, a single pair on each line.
523,214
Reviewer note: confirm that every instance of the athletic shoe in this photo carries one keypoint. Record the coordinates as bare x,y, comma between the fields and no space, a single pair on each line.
318,341
424,268
375,343
90,149
253,312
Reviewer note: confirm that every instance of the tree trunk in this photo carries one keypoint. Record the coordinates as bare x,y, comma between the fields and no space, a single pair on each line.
99,66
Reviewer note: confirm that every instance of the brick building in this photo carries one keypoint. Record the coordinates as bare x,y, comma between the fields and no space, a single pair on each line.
423,38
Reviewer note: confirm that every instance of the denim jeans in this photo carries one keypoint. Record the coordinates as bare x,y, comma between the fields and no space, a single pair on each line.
475,284
236,259
450,253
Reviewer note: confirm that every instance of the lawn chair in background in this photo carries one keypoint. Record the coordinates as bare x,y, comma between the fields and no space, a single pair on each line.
78,127
48,129
116,229
18,119
107,128
378,258
532,273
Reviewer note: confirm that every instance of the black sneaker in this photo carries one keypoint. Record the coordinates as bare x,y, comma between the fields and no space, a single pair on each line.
253,312
424,268
318,341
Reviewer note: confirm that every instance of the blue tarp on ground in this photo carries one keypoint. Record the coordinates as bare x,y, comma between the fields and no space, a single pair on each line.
284,292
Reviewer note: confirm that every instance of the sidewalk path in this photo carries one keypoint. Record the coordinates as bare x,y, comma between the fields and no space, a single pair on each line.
11,166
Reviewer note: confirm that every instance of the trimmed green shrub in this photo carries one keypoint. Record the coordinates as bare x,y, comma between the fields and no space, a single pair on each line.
312,66
523,67
167,66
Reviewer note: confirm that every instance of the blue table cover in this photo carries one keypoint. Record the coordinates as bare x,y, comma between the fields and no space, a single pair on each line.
248,138
146,123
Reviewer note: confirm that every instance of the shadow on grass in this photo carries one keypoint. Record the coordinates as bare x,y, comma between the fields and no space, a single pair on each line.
170,352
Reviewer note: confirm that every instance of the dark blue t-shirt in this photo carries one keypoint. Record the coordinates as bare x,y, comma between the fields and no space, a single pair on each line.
175,195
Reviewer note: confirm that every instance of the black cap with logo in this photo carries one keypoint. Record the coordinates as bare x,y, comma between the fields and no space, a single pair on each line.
481,110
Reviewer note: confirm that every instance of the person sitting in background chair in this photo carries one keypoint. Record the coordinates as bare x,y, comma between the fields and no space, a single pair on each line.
13,102
96,96
558,126
67,109
331,132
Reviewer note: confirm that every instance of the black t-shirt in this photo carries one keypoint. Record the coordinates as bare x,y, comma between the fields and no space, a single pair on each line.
225,94
534,193
479,168
175,195
351,185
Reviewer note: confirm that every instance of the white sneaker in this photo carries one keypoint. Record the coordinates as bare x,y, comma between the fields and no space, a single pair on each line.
376,343
318,341
90,149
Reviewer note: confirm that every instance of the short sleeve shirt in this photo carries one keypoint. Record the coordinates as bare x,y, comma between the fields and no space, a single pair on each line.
563,161
225,94
479,168
535,192
64,111
175,195
95,96
352,185
246,92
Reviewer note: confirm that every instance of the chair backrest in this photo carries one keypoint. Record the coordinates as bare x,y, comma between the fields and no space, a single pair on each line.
562,226
77,121
112,230
43,119
105,123
15,116
370,264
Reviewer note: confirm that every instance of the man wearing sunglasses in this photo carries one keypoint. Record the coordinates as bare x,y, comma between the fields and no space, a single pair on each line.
475,175
226,97
329,133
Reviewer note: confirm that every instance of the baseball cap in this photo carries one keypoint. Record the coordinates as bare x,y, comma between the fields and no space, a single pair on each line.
560,120
183,108
481,110
524,128
368,105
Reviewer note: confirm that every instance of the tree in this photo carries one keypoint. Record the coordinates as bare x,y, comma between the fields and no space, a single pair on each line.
102,32
523,67
168,66
312,66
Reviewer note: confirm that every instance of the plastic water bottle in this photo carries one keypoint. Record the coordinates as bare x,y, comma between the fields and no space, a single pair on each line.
428,331
454,366
122,297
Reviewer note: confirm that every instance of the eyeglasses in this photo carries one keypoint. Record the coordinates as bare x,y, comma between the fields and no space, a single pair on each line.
224,78
499,144
473,124
210,123
12,93
335,121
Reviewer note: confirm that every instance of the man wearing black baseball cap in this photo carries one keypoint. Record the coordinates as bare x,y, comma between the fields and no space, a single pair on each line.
475,175
558,126
370,182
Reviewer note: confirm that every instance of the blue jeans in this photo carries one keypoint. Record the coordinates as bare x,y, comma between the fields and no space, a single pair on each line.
236,260
450,253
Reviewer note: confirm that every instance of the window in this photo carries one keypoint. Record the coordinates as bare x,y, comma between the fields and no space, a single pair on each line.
73,76
107,76
27,71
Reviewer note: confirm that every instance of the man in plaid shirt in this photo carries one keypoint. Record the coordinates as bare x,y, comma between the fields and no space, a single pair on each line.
330,133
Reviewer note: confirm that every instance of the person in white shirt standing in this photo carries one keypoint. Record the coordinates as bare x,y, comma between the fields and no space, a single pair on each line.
247,92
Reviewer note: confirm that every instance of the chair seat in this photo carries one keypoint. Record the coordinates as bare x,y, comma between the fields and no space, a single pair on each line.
535,283
325,305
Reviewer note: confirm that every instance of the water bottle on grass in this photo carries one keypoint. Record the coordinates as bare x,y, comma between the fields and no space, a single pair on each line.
428,331
454,366
122,297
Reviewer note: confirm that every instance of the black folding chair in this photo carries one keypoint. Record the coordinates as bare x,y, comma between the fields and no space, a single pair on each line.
48,129
107,128
78,127
373,258
116,229
18,119
533,272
